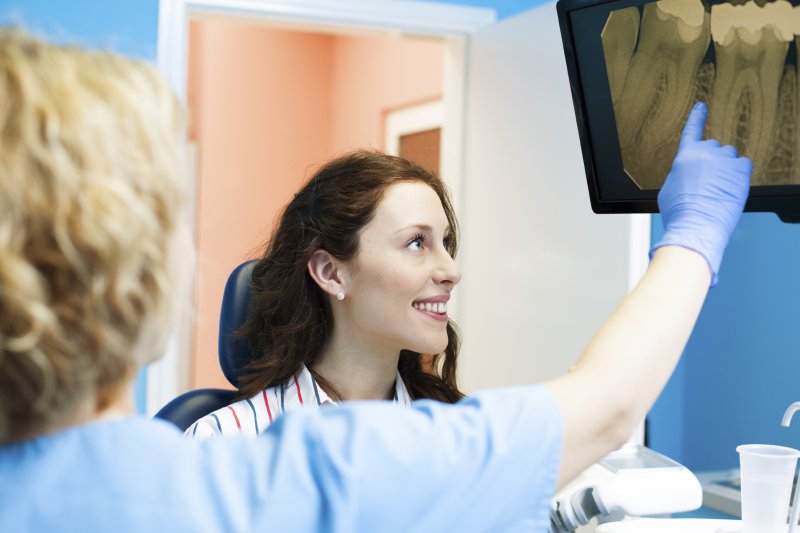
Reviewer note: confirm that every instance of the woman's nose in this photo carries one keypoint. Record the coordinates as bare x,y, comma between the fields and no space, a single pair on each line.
447,271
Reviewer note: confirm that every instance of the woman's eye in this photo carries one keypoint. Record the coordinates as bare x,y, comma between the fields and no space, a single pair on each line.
417,243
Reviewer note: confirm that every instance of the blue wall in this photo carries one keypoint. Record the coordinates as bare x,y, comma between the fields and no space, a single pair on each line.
129,27
503,9
126,26
741,367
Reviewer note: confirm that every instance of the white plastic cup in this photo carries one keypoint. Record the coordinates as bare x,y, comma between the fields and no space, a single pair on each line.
767,473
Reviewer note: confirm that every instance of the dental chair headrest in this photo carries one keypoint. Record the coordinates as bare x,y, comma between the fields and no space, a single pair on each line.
234,353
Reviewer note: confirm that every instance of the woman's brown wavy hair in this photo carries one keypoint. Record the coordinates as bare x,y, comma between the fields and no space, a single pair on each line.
289,319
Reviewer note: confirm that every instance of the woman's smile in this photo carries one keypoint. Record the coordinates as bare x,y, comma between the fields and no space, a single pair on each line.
435,308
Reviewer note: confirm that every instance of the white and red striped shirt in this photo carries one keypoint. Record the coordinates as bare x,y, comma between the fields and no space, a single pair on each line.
252,416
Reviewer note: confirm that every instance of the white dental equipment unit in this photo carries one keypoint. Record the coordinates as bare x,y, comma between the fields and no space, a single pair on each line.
631,481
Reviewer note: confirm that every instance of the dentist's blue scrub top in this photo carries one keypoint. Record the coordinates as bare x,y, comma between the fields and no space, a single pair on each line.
488,463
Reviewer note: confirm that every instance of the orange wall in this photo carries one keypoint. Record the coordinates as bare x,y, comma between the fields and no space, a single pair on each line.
374,75
267,106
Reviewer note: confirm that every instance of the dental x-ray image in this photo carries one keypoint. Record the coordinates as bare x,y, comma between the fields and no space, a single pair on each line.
738,57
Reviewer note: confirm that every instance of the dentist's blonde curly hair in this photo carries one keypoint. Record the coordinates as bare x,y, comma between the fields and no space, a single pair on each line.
90,182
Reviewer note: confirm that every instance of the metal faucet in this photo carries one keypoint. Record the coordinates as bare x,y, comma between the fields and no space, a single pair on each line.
790,411
795,511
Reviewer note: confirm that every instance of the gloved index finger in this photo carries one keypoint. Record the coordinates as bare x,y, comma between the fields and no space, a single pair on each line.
695,123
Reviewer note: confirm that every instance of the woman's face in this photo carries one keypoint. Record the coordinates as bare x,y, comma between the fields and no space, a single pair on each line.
399,283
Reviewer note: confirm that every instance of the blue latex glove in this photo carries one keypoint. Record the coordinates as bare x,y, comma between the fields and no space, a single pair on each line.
704,194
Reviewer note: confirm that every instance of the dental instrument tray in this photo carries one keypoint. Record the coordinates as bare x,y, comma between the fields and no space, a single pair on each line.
722,491
636,68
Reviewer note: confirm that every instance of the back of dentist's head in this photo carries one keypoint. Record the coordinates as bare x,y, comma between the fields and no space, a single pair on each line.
90,183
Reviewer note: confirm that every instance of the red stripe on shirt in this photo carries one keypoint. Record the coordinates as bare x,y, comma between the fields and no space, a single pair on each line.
266,402
297,386
238,425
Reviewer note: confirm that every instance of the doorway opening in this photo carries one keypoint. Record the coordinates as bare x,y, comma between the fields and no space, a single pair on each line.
270,100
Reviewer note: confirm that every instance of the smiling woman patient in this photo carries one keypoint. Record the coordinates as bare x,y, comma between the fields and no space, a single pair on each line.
351,292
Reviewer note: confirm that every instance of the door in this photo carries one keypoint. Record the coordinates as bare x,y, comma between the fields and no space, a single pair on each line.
415,133
541,271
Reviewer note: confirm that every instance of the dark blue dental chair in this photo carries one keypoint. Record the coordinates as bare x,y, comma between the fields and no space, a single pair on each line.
233,354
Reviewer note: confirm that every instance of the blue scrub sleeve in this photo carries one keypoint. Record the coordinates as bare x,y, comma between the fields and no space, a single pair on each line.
488,463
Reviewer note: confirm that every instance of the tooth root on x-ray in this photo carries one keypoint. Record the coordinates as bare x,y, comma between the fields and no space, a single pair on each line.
750,44
619,39
779,167
659,87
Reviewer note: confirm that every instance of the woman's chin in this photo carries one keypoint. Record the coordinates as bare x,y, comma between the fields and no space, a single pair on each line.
430,347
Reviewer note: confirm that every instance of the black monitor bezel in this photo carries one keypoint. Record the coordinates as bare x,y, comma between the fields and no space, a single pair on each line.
597,130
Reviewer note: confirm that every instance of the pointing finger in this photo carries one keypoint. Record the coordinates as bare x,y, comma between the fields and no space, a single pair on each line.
693,130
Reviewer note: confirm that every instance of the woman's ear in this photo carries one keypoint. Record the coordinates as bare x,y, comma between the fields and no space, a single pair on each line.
325,270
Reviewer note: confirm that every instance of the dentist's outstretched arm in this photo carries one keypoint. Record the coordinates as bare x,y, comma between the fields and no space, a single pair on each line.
629,360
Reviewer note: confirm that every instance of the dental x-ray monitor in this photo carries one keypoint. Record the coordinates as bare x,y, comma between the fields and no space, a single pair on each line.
637,67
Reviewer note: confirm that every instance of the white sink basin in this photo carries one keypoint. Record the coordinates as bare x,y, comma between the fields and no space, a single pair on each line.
672,525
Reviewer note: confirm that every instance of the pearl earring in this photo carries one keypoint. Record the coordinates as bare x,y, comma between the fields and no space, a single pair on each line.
340,296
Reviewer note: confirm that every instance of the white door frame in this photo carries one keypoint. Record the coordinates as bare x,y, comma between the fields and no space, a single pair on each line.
167,378
413,119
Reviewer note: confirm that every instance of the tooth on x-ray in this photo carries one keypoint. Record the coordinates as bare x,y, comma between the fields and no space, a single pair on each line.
619,39
659,86
750,44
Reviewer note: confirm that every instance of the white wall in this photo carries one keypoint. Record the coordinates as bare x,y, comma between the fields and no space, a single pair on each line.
541,271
